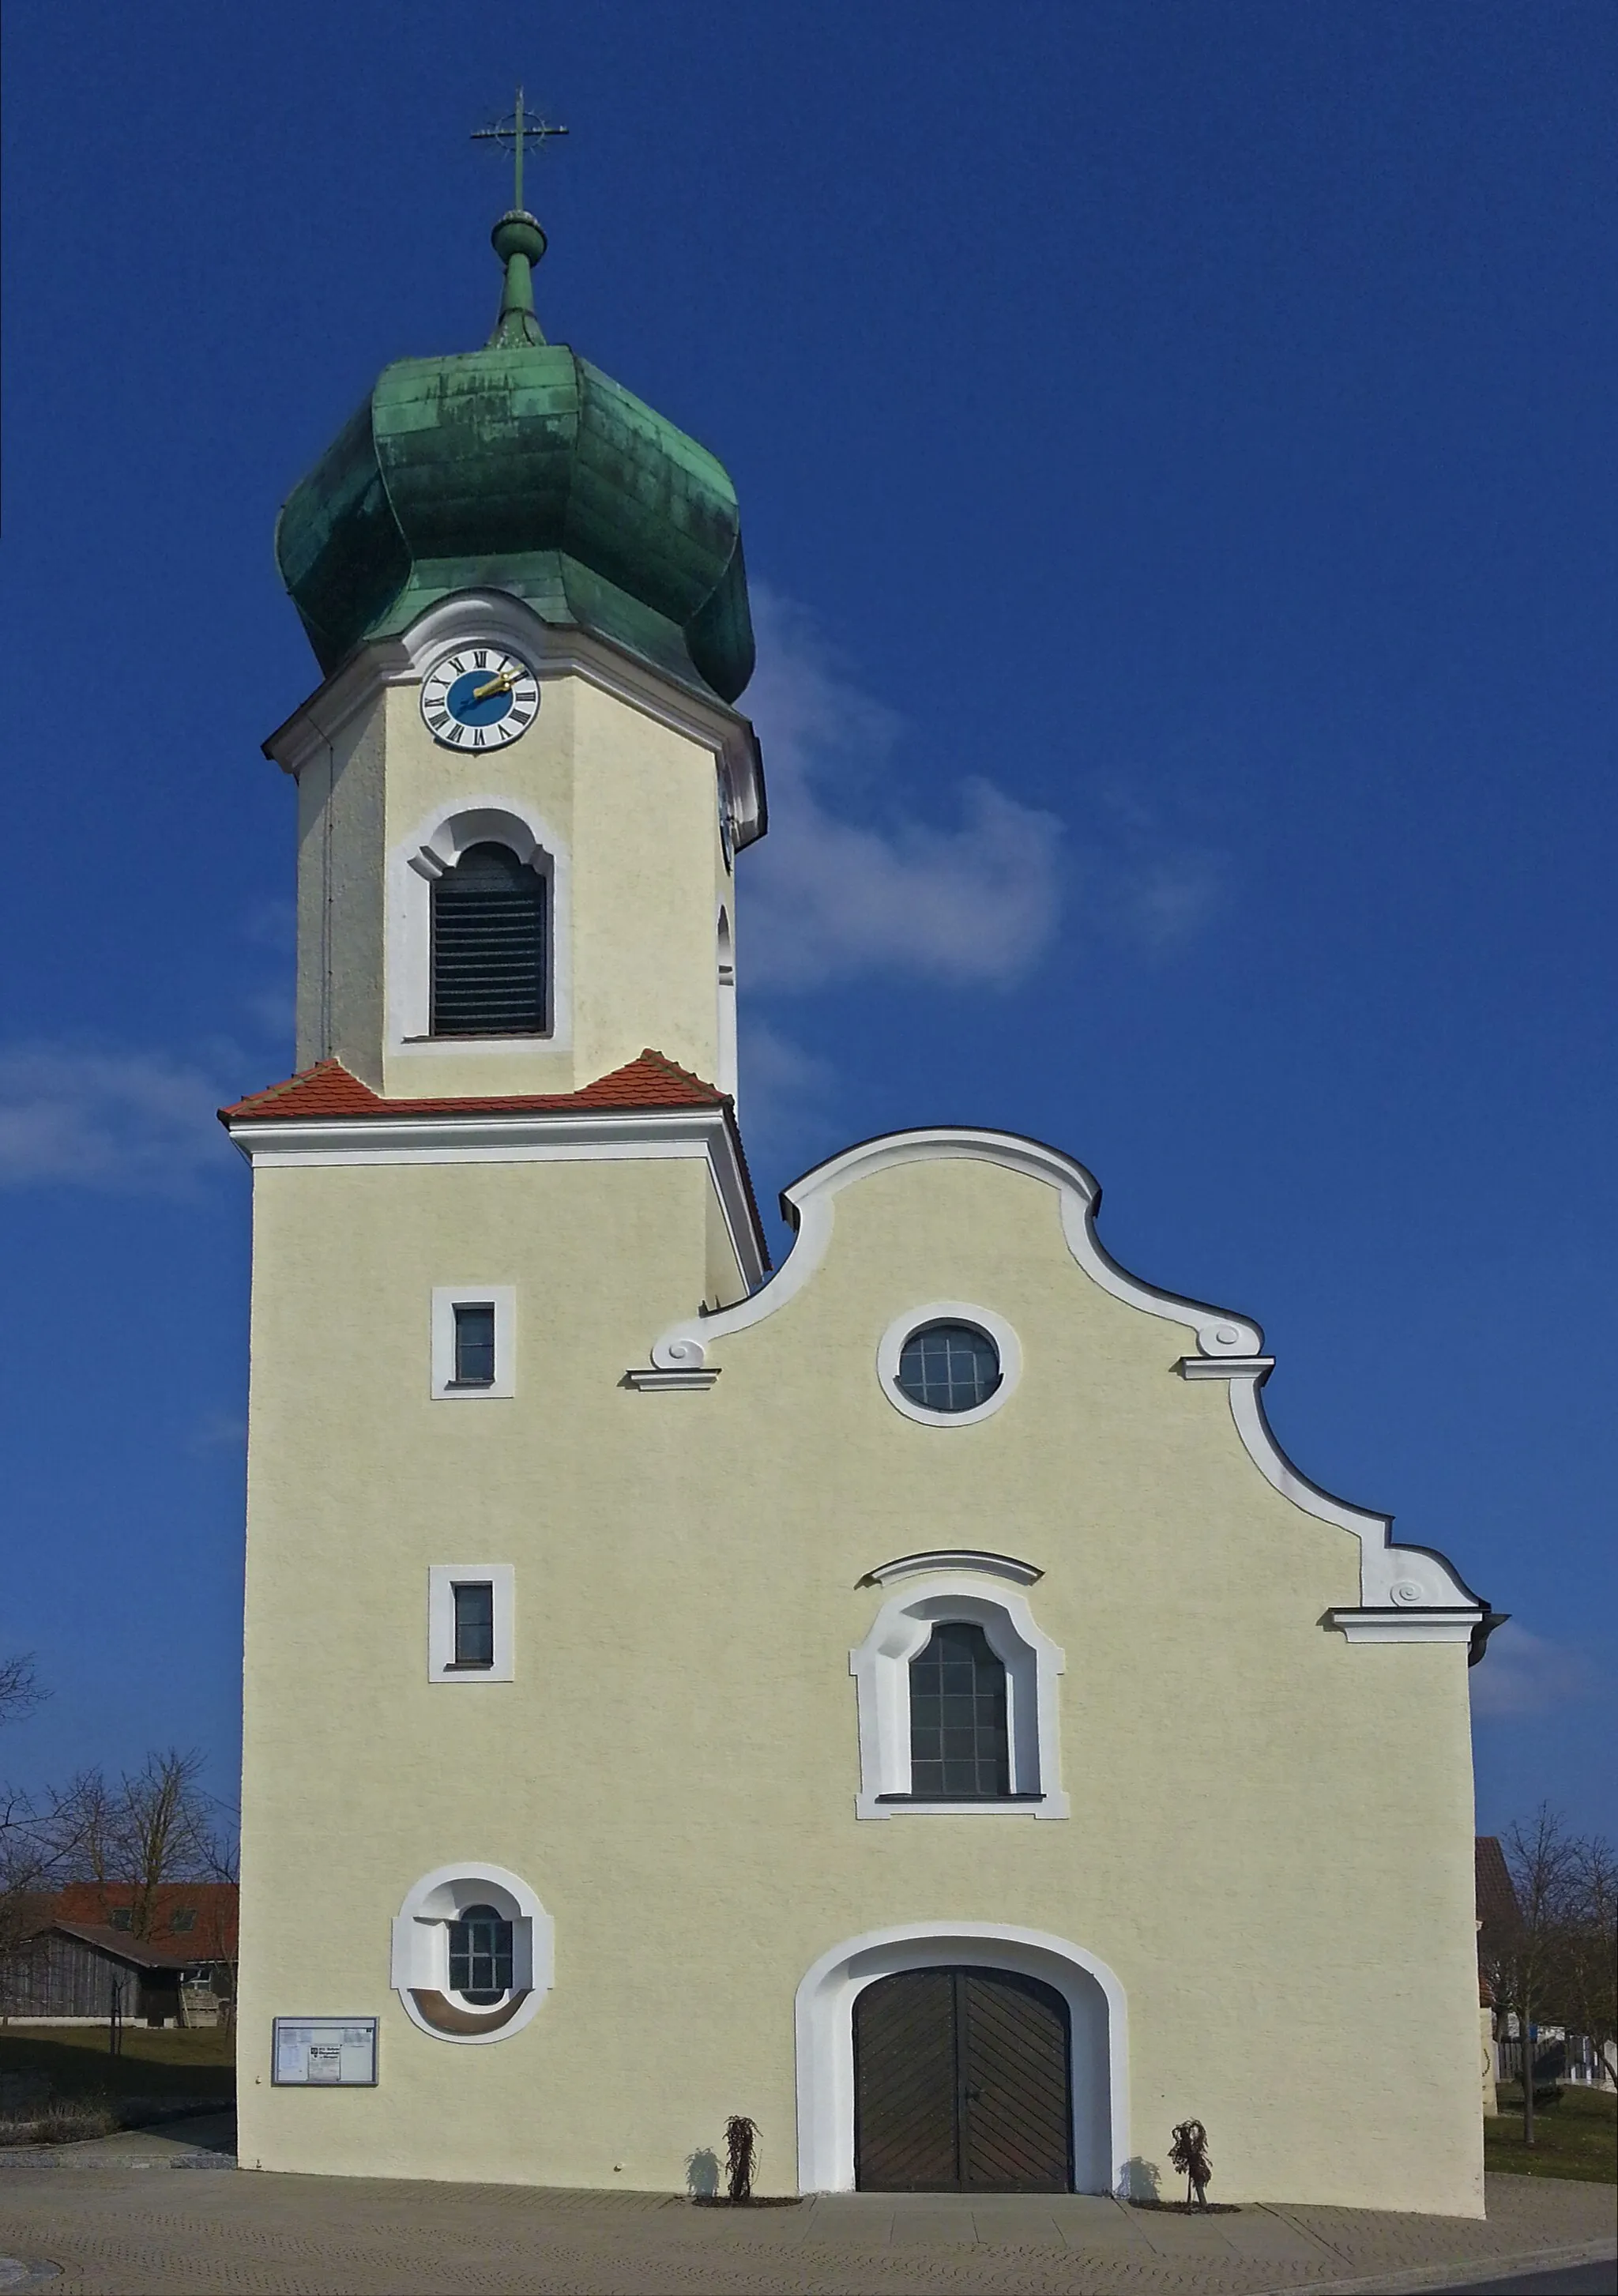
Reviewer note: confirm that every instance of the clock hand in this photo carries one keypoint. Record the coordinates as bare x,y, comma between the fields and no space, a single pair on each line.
502,682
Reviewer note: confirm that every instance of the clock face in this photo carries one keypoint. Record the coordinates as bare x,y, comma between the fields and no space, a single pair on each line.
480,698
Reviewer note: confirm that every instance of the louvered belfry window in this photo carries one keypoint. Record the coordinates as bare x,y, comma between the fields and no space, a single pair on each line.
489,947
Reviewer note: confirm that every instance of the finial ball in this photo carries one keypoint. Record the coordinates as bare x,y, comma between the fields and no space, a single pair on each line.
517,233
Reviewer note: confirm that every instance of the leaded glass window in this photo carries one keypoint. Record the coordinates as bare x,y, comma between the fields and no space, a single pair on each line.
489,947
959,1751
480,1956
949,1368
474,1623
474,1345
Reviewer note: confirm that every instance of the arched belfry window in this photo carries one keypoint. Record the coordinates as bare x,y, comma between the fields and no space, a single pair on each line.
959,1747
489,947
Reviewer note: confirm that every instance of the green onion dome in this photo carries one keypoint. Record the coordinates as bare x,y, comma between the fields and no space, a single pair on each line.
521,467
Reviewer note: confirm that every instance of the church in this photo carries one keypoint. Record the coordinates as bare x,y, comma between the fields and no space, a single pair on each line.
905,1696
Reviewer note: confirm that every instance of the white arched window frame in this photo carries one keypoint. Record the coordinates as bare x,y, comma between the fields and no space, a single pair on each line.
727,1077
417,866
880,1668
420,1970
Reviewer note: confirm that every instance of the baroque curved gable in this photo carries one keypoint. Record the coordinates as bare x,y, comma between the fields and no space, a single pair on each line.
1407,1593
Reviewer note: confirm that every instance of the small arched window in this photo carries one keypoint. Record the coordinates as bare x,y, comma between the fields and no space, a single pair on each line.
959,1746
489,947
480,1955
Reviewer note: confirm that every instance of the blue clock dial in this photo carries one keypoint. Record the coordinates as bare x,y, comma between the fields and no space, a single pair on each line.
480,698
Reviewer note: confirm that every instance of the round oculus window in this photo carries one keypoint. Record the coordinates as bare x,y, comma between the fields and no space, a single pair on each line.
948,1367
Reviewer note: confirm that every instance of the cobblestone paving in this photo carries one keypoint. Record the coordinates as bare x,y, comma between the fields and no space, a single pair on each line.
118,2219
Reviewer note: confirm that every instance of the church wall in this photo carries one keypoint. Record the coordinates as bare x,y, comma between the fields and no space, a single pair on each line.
1269,1838
339,898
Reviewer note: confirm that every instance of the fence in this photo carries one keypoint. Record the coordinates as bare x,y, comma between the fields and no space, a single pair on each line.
1571,2057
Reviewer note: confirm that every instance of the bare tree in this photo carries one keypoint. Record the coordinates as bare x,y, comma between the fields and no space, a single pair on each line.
27,1863
221,1938
20,1687
1587,1977
163,1830
150,1827
1544,1862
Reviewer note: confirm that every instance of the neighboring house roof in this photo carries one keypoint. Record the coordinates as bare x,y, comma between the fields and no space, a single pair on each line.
1500,1916
650,1081
138,1952
84,1909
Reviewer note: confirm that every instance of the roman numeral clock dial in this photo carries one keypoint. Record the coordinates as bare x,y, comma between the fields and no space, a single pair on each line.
481,698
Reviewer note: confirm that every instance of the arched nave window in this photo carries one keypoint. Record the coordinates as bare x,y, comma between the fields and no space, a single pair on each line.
956,1689
489,947
958,1747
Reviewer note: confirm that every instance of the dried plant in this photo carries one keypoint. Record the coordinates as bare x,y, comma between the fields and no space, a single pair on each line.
740,2140
1189,2153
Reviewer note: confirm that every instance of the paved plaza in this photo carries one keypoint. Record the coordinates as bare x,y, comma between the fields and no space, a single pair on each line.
161,2214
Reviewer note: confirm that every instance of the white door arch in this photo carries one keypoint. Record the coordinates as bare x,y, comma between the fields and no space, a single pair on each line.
825,2038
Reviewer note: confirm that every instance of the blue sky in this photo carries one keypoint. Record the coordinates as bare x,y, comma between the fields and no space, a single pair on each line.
1175,449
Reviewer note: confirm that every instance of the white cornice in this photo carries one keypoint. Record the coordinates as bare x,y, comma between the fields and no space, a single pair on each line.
583,1136
954,1558
1437,1625
1231,1346
555,652
1224,1367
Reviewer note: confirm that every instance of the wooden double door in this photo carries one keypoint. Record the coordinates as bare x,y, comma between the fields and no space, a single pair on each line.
963,2083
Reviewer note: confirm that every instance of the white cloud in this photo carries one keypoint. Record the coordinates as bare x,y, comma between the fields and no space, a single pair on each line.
216,1430
74,1117
272,924
272,1011
784,1086
846,884
1522,1673
1168,901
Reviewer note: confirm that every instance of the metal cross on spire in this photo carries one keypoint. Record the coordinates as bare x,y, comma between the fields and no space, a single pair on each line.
519,127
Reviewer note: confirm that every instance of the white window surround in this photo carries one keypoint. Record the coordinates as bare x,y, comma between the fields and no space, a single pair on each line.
890,1347
880,1668
419,1970
434,846
442,1580
446,1299
825,2018
1433,1603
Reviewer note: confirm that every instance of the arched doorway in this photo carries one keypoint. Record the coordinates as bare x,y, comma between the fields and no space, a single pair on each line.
962,2082
1096,2036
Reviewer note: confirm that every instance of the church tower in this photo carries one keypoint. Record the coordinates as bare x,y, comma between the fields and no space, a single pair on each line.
523,784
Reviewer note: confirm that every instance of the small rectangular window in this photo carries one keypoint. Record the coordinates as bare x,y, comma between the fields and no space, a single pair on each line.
474,1623
474,1344
473,1353
470,1620
184,1917
121,1918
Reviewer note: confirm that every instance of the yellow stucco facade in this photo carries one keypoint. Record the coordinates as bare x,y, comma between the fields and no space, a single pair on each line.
1264,1869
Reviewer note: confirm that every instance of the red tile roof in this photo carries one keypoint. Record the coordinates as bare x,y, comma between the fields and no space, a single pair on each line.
652,1081
85,1909
330,1089
1498,1911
